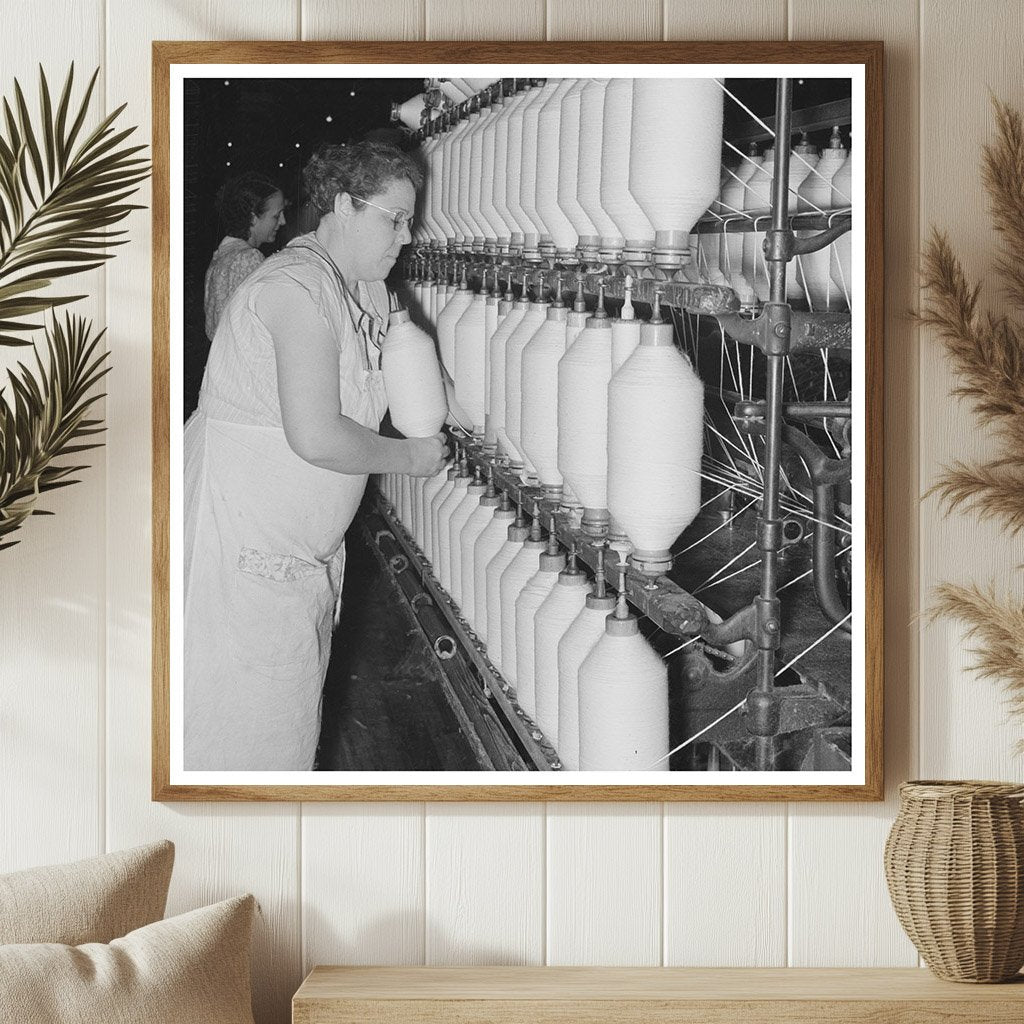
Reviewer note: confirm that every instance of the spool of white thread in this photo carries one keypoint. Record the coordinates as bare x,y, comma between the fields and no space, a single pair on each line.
413,291
446,321
488,183
429,193
553,618
499,394
490,541
655,441
481,229
583,375
490,326
456,93
439,170
431,305
841,266
445,290
479,84
502,309
516,537
568,166
406,506
443,562
630,220
675,154
539,417
623,695
470,349
419,486
412,378
410,113
517,574
528,179
733,200
514,168
532,320
532,596
579,640
501,184
456,524
816,194
625,339
588,188
803,161
465,172
475,525
456,179
757,202
431,486
440,497
553,145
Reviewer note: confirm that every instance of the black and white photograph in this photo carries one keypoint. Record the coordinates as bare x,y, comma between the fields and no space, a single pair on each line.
523,429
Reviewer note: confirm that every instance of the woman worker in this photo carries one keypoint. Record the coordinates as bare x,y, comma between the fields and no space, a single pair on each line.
276,461
251,209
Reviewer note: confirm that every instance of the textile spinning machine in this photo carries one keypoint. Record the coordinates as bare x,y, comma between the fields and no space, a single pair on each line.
637,328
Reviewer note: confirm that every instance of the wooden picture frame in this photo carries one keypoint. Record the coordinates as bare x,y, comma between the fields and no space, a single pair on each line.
175,61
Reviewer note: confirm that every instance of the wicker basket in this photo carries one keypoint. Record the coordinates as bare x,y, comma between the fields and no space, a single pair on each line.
954,861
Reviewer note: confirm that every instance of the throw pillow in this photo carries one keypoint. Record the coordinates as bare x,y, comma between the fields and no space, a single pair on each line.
92,900
190,969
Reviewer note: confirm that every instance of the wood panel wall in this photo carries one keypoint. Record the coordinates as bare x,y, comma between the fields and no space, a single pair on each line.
510,883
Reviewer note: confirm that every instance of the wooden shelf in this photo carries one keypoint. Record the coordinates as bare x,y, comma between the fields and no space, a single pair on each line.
628,995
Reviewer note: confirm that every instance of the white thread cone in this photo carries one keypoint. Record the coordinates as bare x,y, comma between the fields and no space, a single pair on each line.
520,571
539,416
655,441
623,706
488,544
517,342
537,588
437,490
470,348
583,375
444,518
554,617
456,523
579,640
499,392
493,572
475,524
412,378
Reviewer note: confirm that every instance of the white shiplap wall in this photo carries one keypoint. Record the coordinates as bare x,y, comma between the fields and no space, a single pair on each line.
507,883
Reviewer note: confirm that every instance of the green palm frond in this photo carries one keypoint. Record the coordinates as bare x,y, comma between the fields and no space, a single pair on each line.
45,418
61,193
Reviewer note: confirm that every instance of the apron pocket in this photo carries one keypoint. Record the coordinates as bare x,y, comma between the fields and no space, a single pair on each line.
280,605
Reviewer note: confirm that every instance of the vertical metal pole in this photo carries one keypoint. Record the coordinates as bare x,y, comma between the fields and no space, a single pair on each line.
775,349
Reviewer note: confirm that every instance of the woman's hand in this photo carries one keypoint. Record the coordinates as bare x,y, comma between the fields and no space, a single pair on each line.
427,455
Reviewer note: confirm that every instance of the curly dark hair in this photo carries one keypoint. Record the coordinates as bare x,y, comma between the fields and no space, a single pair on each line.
358,168
241,198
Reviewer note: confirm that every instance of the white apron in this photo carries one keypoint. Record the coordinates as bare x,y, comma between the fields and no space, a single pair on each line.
264,530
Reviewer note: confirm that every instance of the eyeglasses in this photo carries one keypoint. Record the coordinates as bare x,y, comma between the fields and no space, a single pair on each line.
399,221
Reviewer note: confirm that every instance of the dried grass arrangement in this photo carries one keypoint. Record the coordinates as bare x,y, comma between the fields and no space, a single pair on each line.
62,190
987,354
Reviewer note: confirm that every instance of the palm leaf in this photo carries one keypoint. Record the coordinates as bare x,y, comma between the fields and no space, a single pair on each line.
62,191
44,419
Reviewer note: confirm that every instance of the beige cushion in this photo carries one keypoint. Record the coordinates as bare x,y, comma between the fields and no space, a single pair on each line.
93,900
191,969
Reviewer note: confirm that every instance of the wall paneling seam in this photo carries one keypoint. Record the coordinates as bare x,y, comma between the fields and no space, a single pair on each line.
916,336
102,727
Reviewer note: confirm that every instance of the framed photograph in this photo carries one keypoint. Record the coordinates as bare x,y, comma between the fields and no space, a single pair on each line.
517,421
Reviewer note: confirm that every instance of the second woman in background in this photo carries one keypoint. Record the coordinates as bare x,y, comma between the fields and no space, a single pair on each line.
251,209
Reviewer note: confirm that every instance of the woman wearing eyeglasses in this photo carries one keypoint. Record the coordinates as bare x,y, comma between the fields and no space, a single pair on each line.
276,460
